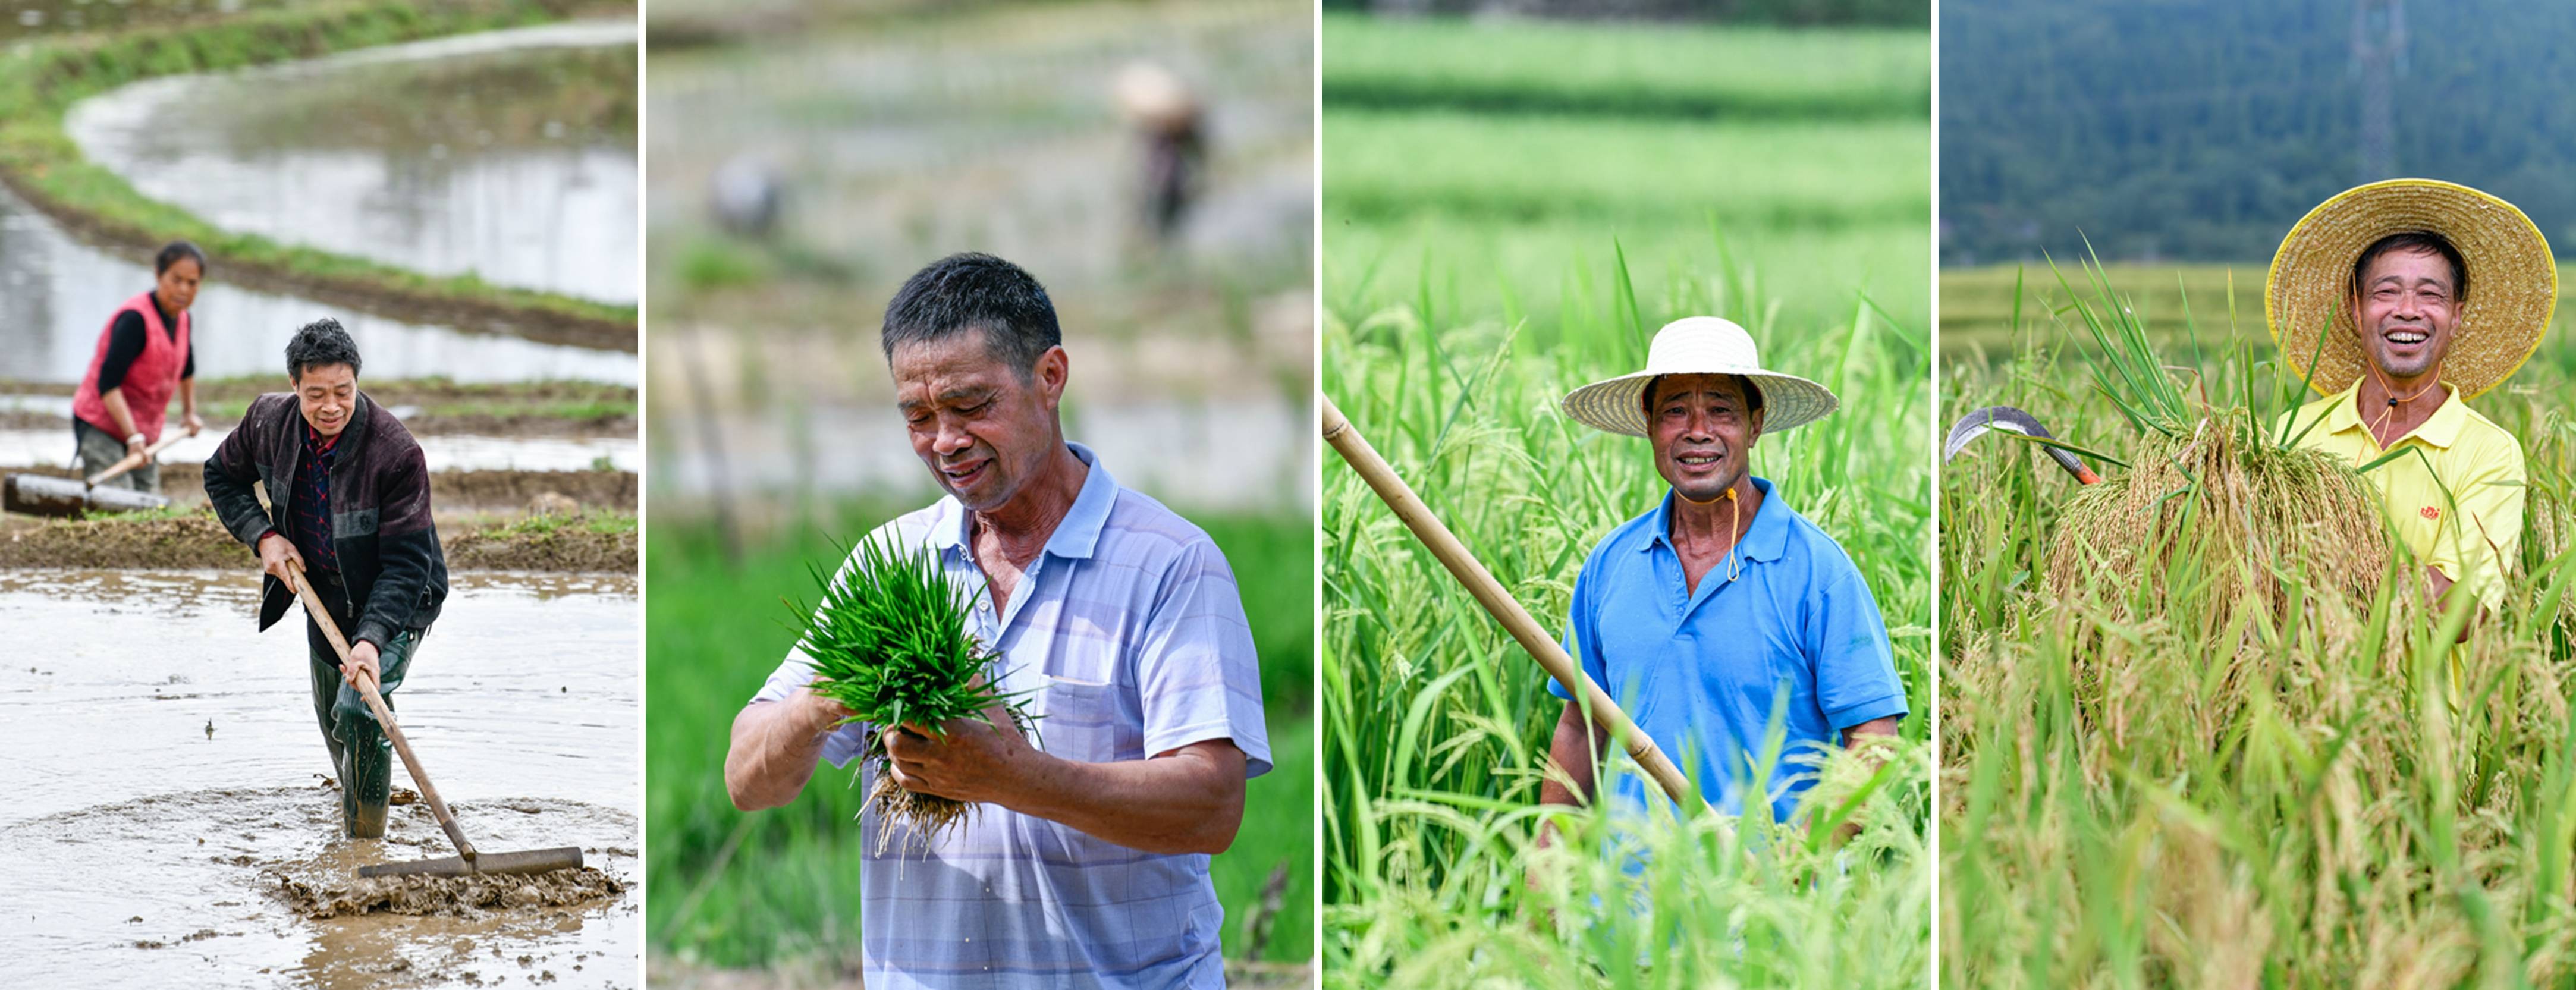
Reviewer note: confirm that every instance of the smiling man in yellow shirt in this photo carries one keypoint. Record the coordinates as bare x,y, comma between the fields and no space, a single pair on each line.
2385,273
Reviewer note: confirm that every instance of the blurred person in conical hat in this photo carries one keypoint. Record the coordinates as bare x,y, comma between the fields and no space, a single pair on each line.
1721,602
1170,124
2398,301
145,355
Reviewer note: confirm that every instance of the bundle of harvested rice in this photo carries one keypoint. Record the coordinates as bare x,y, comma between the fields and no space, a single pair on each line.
2213,503
890,643
2237,509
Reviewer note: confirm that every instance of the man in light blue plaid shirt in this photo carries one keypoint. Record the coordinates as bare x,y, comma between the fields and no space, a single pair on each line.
1086,863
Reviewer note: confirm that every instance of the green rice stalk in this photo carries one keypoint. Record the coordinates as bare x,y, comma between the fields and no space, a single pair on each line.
889,642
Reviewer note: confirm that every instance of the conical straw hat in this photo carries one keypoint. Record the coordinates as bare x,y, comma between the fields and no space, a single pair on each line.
1698,345
2513,281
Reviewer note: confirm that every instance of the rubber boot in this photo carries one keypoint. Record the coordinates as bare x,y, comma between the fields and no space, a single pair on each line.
366,786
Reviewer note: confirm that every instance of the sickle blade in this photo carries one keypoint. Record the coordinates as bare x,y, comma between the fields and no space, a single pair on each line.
2011,420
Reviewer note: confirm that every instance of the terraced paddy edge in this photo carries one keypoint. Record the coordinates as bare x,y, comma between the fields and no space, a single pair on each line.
41,163
479,490
582,542
427,406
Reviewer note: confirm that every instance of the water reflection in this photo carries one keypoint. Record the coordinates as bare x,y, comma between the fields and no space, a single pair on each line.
56,295
509,155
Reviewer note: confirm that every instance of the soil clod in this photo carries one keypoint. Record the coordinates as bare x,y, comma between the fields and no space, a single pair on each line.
450,896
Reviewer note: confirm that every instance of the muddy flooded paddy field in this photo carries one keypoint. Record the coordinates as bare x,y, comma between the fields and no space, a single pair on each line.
53,446
1241,454
56,294
171,822
897,140
508,154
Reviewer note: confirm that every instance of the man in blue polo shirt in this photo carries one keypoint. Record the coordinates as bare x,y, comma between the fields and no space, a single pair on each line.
1721,603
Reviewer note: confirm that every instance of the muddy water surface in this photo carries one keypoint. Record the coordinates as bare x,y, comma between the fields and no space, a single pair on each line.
445,452
57,293
509,154
170,823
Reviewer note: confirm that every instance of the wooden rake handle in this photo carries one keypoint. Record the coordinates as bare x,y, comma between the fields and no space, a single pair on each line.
133,461
1505,609
384,716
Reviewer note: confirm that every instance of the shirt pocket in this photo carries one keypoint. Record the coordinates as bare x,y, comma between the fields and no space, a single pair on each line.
1079,719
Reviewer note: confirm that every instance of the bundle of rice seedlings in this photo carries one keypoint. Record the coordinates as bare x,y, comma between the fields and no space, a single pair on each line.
889,642
2213,503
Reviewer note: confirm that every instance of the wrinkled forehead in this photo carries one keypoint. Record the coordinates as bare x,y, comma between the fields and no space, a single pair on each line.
325,376
965,351
1665,388
2408,266
949,366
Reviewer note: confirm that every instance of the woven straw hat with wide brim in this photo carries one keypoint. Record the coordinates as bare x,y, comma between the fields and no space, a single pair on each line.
1698,345
2513,281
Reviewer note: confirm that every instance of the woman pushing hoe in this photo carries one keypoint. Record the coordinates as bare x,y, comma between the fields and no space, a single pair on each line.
144,355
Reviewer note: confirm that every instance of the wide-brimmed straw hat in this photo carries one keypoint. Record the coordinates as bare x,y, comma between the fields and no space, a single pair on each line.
1698,345
2513,281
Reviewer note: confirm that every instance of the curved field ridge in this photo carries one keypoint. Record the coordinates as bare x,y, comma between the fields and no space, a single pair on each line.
40,162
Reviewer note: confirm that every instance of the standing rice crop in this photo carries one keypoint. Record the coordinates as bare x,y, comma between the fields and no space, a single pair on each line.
1437,727
890,643
2170,780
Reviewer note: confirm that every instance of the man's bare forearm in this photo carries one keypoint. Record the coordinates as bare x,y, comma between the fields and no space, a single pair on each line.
776,745
1873,727
1188,800
1576,750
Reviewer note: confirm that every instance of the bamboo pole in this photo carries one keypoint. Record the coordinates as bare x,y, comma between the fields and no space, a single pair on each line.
1506,610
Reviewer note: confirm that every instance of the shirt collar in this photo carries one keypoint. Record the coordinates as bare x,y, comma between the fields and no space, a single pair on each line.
1766,540
2440,431
1076,535
314,440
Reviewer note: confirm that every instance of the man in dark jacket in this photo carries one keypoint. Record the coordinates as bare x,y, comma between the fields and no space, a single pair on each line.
348,499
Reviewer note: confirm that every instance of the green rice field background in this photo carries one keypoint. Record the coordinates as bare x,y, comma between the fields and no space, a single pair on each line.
1488,167
2144,785
781,887
1977,303
1495,237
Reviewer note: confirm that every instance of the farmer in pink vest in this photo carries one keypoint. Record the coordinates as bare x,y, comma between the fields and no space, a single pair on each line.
143,356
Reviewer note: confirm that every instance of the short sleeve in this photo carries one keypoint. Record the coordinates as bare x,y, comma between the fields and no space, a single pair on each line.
1582,626
1855,667
1198,675
2478,552
797,670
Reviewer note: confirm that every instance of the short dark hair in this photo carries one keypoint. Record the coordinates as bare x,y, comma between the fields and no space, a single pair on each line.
1752,396
2414,242
972,290
320,344
175,250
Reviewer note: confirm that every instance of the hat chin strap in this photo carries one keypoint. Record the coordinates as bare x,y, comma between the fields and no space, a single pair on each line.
2394,399
1734,525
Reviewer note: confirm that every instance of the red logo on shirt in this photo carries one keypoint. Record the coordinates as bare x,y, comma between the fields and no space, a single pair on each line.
2432,513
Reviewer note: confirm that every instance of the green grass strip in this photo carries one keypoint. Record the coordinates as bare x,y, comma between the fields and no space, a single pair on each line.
40,81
